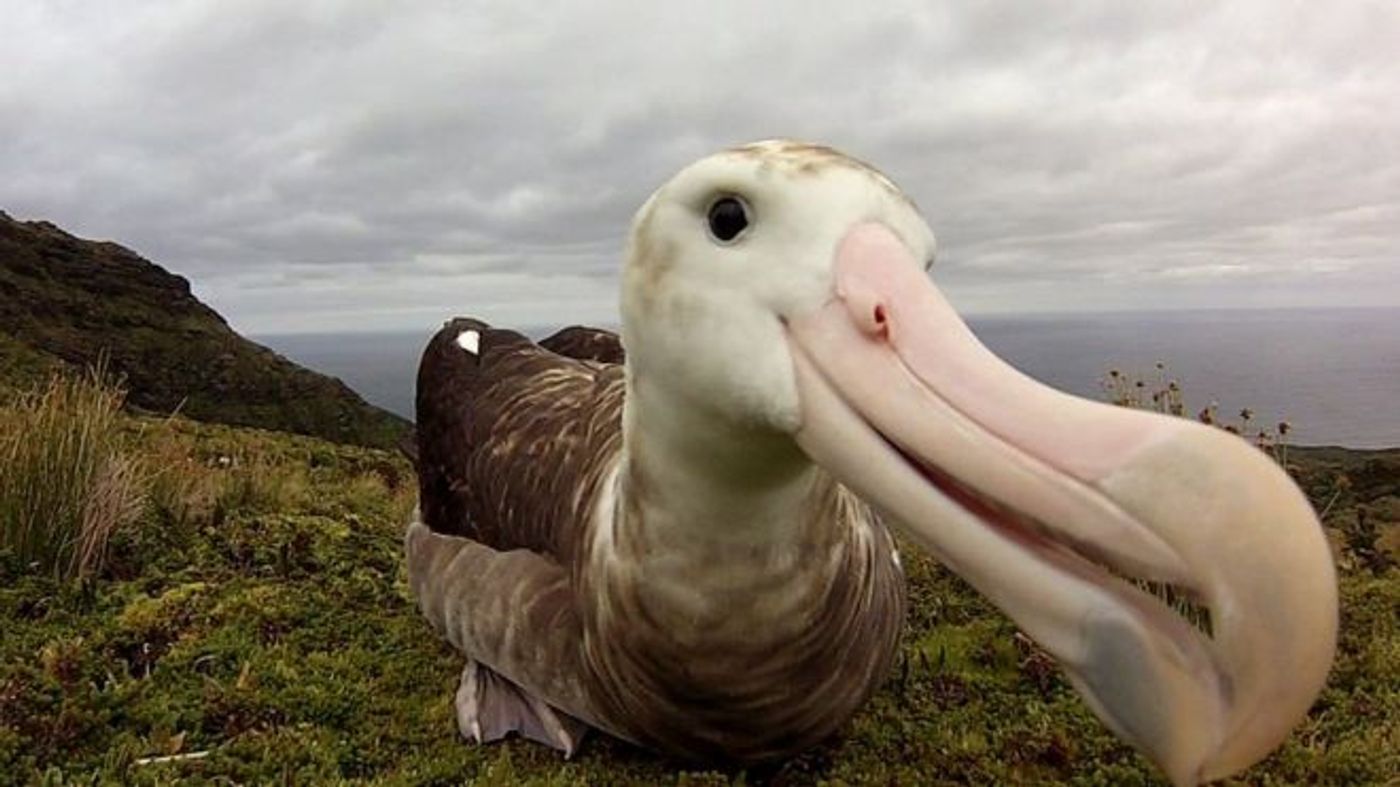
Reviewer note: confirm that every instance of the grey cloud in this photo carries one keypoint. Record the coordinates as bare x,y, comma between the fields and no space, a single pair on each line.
313,164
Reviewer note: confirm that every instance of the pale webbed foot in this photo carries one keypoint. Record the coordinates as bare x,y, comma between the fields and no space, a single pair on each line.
490,707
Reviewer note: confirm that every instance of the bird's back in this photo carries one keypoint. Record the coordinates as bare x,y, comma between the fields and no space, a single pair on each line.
513,439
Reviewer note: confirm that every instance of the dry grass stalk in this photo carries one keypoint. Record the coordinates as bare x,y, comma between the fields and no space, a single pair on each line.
115,499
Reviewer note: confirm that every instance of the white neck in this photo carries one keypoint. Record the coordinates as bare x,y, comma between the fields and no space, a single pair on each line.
698,476
707,518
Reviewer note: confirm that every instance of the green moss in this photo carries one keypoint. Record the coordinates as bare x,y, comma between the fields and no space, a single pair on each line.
276,639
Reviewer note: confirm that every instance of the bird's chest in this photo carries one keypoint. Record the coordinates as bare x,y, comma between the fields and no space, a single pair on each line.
735,653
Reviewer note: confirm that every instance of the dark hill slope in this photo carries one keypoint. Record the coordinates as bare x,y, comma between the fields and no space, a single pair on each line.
74,299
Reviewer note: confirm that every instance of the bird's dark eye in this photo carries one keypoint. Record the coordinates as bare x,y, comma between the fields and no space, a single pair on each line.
728,217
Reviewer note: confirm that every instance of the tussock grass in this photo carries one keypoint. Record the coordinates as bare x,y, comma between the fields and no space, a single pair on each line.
183,493
67,482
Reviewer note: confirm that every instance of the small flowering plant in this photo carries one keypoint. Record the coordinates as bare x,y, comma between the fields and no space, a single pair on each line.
1160,392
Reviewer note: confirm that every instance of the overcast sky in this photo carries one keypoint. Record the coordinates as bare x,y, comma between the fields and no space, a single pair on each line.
337,166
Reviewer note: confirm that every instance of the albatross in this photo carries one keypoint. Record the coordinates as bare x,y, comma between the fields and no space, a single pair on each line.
682,538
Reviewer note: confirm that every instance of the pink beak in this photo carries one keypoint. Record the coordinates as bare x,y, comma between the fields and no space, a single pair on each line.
1043,501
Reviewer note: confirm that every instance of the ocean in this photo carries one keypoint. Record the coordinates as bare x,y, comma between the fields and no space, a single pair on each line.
1333,374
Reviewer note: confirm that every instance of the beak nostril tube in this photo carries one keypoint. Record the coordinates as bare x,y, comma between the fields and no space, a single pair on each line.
880,320
868,311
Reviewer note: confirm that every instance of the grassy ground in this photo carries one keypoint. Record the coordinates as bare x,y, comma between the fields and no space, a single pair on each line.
255,627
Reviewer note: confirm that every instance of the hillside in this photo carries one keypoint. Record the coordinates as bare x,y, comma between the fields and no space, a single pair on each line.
65,300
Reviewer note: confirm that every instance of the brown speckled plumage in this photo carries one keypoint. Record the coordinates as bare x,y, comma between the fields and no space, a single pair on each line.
805,158
720,689
516,444
585,344
512,440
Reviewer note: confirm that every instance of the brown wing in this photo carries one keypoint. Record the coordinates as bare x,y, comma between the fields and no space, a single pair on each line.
513,440
586,344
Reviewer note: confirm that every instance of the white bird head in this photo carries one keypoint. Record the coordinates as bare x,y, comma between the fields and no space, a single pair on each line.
704,313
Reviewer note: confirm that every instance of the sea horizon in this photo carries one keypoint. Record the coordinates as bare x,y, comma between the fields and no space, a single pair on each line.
1332,373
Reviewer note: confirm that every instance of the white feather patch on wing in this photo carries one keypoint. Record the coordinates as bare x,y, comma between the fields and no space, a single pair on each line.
469,341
